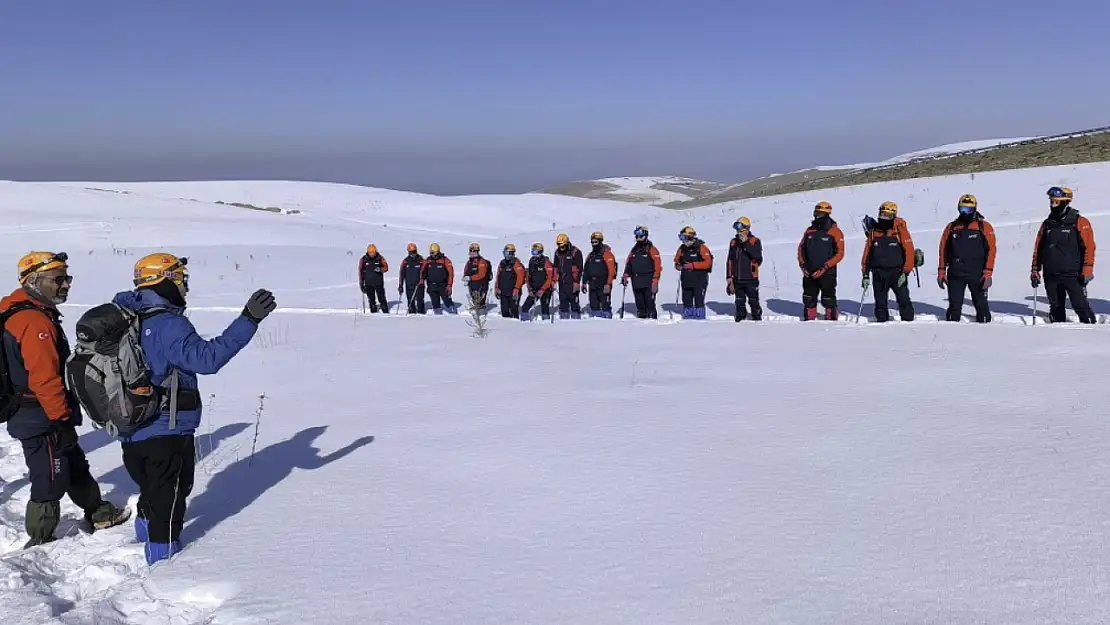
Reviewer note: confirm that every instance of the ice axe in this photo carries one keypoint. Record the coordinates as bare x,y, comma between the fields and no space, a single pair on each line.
918,261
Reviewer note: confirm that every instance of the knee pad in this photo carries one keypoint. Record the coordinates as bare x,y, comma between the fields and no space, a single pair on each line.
809,301
828,302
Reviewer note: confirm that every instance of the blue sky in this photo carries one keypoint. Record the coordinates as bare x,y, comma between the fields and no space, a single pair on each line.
510,95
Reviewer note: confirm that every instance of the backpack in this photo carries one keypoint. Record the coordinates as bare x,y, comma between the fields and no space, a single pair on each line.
10,398
108,371
869,224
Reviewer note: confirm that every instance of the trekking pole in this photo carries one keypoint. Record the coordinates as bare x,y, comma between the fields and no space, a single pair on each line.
1035,289
553,307
862,295
677,293
918,276
624,290
362,299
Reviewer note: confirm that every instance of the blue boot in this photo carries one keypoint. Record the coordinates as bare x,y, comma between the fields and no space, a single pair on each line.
453,310
438,311
688,312
141,533
700,312
161,551
605,314
525,315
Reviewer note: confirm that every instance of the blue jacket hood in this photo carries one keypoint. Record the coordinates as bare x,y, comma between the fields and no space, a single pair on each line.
144,299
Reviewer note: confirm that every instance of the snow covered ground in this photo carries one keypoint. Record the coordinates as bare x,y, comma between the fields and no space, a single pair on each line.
641,188
593,471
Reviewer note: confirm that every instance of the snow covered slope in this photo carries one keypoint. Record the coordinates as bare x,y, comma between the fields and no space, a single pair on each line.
653,190
941,150
593,471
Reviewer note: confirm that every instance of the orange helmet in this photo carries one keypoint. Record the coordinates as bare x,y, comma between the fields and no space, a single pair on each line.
823,207
35,262
159,267
372,250
411,248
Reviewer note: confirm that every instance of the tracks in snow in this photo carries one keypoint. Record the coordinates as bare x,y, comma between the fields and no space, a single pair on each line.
83,579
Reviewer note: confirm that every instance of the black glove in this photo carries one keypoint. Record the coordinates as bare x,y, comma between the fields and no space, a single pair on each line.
63,436
259,305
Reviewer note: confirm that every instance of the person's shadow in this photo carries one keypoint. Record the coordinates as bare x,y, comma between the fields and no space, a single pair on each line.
123,487
231,490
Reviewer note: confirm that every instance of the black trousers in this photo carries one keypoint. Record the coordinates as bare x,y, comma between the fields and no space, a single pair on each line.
439,296
600,301
956,288
693,295
747,292
375,296
882,282
414,295
825,286
568,298
55,472
545,303
1058,290
163,468
645,303
510,306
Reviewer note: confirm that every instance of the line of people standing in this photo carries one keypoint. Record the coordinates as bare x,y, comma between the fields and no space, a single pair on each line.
1063,257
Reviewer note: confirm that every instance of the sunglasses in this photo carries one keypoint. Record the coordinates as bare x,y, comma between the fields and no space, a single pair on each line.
60,280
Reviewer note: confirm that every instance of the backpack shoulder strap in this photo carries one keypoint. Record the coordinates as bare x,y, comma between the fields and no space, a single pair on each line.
20,306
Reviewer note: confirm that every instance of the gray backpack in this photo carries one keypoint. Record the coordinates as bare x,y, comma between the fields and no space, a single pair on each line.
108,372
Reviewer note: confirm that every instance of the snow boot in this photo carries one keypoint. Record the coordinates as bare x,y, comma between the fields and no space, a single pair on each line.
437,311
106,515
832,314
688,312
605,314
811,314
161,551
142,533
700,312
41,521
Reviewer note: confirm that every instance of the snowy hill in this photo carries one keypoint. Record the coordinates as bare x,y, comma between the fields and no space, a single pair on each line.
654,190
941,150
595,471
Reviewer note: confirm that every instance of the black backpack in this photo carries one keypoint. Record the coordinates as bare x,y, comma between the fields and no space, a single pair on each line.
10,398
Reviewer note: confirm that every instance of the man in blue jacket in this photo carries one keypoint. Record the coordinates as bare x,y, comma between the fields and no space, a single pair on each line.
160,456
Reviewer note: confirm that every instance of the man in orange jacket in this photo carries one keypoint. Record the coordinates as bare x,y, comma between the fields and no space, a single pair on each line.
888,259
41,412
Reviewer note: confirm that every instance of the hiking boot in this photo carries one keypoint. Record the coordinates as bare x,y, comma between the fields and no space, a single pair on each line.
107,515
35,542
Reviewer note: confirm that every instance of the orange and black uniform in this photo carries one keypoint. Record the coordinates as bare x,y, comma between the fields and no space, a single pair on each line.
411,282
889,257
695,261
510,280
1065,250
45,422
568,273
643,268
967,249
541,285
371,279
439,276
598,273
819,252
742,275
478,273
